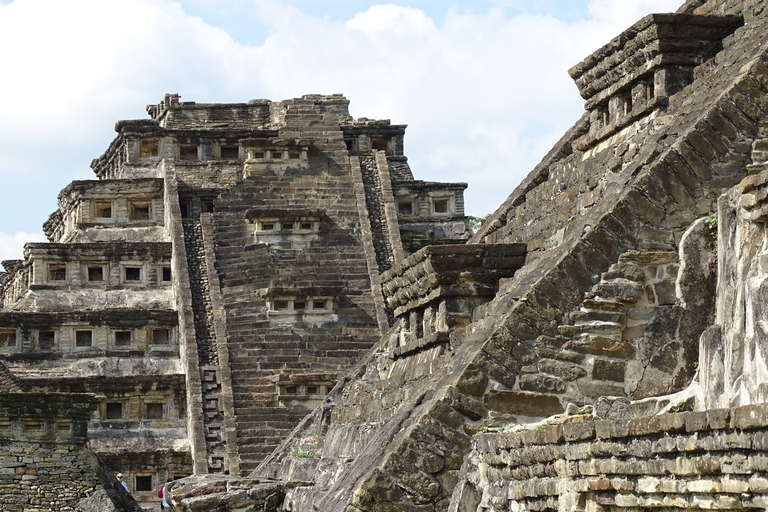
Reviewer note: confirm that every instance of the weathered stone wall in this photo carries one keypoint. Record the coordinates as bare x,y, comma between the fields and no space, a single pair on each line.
714,460
114,333
44,462
734,348
92,276
15,281
430,213
746,8
108,210
374,200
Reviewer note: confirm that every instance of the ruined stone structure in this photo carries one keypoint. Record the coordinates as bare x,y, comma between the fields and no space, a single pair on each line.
600,344
44,461
622,366
217,278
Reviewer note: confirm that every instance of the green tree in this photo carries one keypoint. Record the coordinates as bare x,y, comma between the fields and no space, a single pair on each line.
477,222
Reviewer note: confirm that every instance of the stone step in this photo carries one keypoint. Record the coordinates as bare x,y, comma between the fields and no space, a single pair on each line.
601,304
621,290
650,258
591,328
597,315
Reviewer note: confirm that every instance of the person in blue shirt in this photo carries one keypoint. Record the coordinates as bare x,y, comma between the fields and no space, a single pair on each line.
122,482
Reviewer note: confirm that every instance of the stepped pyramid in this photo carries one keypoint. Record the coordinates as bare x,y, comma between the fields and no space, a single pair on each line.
217,278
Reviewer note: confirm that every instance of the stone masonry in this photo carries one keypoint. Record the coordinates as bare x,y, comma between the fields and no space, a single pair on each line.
217,279
322,326
631,280
44,462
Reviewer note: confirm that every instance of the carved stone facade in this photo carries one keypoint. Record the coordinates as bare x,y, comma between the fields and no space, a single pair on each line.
216,280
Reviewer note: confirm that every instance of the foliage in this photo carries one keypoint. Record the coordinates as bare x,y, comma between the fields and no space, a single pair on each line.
477,222
684,406
490,428
345,392
305,451
711,222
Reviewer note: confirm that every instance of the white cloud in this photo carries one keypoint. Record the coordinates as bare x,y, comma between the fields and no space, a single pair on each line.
394,19
66,62
12,246
484,94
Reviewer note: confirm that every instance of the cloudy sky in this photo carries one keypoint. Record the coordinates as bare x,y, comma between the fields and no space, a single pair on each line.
481,84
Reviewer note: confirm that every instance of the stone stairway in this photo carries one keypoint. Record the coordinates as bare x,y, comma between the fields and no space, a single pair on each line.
261,347
603,340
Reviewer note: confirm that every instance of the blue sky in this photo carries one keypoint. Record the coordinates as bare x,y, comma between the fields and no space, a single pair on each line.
238,18
481,84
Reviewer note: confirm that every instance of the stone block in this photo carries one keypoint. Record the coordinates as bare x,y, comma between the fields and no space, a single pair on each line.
588,468
541,383
749,417
680,168
607,429
486,443
741,98
600,484
647,209
734,485
718,419
465,404
559,355
673,186
603,369
704,143
597,389
473,380
695,421
579,431
532,437
721,124
672,423
759,440
758,483
648,485
412,479
626,500
446,414
495,370
577,271
422,457
508,440
560,369
602,346
553,434
736,116
641,448
727,502
522,403
740,464
648,425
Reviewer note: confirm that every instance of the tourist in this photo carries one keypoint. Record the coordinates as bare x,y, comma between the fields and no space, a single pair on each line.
164,495
122,482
